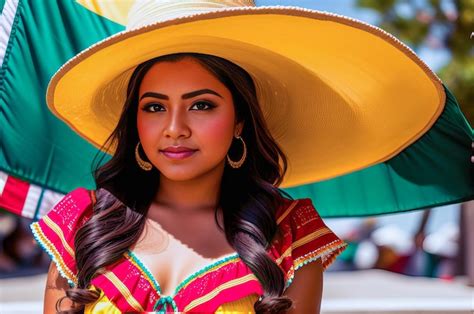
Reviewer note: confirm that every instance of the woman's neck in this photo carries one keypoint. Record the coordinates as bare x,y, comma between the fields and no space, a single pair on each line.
196,196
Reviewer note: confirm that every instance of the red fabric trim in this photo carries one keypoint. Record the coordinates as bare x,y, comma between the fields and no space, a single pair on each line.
305,236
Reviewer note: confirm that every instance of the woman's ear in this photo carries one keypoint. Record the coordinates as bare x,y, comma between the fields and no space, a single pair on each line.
238,128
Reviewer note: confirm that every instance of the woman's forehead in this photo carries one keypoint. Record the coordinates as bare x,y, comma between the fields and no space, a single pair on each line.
183,76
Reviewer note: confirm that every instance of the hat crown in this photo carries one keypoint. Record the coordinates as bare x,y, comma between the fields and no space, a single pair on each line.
144,12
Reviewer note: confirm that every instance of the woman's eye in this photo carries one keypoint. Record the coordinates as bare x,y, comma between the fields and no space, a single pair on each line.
203,105
156,107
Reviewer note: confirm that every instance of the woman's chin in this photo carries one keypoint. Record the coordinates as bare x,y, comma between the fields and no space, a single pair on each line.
187,172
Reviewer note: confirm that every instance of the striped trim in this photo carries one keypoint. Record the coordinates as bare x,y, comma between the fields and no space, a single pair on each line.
287,211
209,296
218,264
310,237
59,233
286,254
124,291
306,239
53,253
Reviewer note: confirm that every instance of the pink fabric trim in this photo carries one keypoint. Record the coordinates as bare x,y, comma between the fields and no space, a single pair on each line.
66,217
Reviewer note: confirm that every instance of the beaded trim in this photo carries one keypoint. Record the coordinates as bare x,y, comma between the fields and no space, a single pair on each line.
138,263
199,273
327,253
219,263
46,244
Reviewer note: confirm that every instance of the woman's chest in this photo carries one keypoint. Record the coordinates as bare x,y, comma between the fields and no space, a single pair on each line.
162,273
171,262
199,286
174,265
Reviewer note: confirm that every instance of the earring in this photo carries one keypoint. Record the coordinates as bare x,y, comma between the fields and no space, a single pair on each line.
237,164
145,165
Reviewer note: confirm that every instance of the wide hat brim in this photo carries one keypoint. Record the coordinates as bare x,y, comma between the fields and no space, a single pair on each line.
338,94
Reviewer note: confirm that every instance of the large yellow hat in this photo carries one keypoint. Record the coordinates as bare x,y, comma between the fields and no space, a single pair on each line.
338,94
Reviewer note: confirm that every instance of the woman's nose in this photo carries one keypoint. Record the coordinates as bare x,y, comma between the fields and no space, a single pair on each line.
177,124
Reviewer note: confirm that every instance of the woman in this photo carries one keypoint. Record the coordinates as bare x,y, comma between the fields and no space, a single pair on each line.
195,205
207,112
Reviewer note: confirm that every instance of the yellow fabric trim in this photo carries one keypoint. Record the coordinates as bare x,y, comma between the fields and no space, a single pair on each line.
243,305
284,255
208,271
101,306
214,292
287,211
302,241
310,237
123,290
60,234
57,258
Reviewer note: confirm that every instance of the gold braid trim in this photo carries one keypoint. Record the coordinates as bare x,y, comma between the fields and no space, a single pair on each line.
53,252
123,290
218,289
51,224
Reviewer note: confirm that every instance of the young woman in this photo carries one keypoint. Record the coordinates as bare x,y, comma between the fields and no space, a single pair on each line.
208,108
187,215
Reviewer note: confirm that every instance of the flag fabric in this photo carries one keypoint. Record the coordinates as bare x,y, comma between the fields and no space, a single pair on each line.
41,158
25,199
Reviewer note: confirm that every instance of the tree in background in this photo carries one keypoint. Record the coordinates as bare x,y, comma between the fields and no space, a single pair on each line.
439,25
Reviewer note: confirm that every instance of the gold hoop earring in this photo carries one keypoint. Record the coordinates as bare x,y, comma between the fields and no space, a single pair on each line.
145,165
237,164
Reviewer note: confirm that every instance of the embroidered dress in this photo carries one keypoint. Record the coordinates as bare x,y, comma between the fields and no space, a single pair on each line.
224,286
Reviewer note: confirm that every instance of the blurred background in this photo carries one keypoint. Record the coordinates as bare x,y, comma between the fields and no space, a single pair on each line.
420,261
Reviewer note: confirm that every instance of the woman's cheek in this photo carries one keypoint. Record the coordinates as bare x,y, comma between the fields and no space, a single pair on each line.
217,133
146,128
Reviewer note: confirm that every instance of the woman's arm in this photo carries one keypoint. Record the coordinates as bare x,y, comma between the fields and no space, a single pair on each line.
56,287
306,290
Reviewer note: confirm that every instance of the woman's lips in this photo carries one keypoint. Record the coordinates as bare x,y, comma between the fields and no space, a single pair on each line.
178,155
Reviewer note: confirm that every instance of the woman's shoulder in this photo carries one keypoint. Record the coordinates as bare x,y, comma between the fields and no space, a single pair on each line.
290,209
55,231
76,202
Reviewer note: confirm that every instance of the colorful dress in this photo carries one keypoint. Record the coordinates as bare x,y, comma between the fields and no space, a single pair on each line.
224,286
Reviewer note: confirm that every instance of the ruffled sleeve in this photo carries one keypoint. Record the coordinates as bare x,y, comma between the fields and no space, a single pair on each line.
55,231
305,238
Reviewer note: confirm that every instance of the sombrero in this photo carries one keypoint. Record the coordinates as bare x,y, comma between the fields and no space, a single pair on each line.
338,94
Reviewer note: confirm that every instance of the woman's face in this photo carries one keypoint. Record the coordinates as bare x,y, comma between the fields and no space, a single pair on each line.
182,104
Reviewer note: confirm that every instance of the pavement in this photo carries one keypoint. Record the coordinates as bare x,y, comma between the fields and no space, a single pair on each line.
360,292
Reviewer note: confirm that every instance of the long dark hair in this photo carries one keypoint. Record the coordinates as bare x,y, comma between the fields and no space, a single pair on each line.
249,195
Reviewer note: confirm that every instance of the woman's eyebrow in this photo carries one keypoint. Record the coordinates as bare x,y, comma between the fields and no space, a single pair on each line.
185,96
